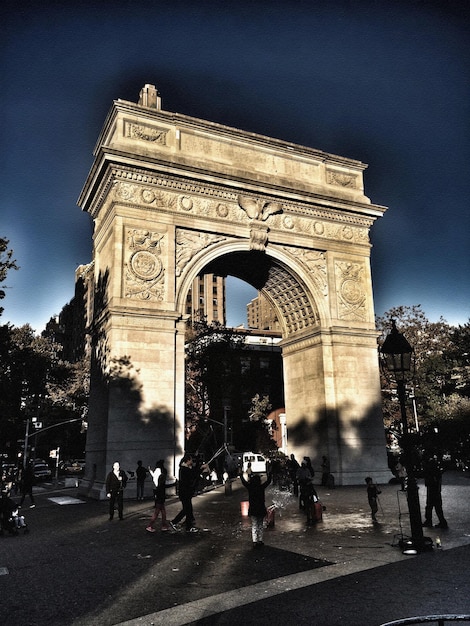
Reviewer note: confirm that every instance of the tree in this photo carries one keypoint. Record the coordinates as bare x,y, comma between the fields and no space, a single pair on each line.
256,434
7,263
440,385
431,342
212,368
36,382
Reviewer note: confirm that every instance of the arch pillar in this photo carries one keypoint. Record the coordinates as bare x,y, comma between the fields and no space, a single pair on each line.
334,403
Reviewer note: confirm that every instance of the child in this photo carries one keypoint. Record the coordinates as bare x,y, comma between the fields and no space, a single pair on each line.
313,507
372,494
159,480
257,506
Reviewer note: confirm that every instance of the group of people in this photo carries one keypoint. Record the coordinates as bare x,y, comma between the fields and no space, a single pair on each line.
433,484
302,476
189,473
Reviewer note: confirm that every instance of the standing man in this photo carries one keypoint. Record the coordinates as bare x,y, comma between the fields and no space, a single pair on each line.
433,482
293,467
27,482
373,493
188,479
115,484
325,471
140,475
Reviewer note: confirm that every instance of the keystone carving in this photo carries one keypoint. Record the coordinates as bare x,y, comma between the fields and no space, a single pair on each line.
259,209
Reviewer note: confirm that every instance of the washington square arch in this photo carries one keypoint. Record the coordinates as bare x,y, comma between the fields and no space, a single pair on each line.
172,197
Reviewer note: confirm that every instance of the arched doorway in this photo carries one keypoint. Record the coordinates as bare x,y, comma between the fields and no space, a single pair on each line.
171,197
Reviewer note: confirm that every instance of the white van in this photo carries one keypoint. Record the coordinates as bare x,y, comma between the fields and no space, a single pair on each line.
258,462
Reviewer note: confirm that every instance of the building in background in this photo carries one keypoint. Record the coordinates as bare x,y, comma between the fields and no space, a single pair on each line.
261,315
206,299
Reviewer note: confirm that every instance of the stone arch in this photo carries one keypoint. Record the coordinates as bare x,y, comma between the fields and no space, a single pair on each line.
276,276
171,195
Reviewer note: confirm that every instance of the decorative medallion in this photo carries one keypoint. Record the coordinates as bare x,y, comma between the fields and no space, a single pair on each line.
351,292
145,275
145,265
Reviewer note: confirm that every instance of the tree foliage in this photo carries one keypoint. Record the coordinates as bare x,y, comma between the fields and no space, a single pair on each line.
36,382
7,263
440,382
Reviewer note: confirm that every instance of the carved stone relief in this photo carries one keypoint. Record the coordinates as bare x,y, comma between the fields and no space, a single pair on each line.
145,132
189,243
144,271
321,228
314,261
212,202
350,290
341,179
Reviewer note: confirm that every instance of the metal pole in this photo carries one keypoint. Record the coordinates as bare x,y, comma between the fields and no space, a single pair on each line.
26,437
225,424
412,494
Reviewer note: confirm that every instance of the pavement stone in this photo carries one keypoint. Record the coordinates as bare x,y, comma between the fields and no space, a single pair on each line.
76,567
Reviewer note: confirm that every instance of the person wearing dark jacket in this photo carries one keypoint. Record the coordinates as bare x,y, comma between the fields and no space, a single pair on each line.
116,482
27,482
257,506
373,493
187,483
433,482
159,492
140,476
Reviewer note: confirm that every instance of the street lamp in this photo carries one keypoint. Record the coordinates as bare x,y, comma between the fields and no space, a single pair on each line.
396,357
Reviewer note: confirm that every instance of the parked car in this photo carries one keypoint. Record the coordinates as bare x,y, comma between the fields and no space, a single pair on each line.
73,466
255,461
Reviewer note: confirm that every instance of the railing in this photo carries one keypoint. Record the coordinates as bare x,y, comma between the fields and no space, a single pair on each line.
440,620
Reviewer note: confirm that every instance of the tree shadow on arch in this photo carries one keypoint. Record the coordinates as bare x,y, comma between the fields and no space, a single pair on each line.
350,443
150,431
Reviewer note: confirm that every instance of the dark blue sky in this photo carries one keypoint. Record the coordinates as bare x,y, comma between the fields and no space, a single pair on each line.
384,82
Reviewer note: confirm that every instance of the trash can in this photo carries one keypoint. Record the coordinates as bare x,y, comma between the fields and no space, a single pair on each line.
244,508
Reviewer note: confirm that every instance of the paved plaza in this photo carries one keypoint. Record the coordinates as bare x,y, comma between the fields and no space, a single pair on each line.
77,568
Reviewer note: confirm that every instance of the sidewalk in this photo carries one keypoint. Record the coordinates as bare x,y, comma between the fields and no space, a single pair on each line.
346,543
75,567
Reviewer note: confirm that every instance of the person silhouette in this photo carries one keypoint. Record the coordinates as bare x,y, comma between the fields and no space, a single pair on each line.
116,482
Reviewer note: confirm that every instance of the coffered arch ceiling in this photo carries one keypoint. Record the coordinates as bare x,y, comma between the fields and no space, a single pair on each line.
297,311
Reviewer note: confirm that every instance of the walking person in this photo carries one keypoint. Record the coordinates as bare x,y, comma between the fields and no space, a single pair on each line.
256,506
372,495
433,482
159,478
401,474
140,475
188,480
116,482
27,483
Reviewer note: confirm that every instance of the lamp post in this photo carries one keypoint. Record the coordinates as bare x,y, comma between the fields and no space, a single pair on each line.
396,359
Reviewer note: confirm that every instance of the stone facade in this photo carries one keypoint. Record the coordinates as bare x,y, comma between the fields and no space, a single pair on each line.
172,196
